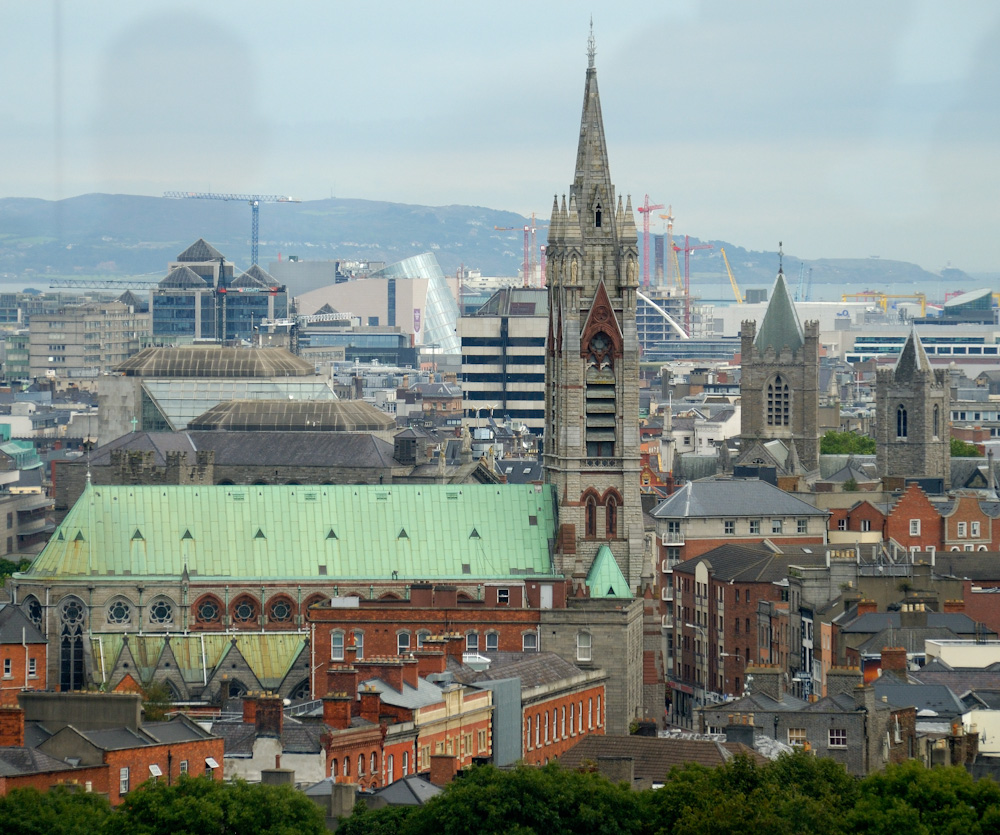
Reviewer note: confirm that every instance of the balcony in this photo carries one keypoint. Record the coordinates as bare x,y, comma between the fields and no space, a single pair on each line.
667,621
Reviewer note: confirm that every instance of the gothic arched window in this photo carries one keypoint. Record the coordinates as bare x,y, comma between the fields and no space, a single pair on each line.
901,428
597,216
937,420
611,517
591,516
72,618
778,402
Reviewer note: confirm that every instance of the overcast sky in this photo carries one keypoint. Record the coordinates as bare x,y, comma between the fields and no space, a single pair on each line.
844,129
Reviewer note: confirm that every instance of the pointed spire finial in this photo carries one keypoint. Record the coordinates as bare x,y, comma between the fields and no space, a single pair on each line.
591,46
781,256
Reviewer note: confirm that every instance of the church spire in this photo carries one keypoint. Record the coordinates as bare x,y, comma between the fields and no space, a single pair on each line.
781,325
912,359
595,195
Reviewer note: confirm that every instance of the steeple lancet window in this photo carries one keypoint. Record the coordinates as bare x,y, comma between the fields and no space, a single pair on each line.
597,216
901,427
601,409
778,402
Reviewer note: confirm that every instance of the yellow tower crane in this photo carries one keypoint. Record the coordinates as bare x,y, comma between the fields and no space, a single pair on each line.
732,278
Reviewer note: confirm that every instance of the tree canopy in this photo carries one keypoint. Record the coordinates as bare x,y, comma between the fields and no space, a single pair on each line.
961,449
846,443
797,793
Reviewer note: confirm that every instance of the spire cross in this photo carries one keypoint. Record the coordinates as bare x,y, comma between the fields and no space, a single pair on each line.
781,256
591,46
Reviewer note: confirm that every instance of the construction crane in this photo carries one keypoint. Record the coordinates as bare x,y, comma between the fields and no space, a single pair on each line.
687,249
882,299
528,265
253,199
645,209
671,252
732,279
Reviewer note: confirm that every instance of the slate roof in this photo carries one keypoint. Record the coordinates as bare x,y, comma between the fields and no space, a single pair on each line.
412,790
755,563
849,472
874,622
975,565
294,416
911,638
780,326
215,361
291,531
763,702
12,622
732,498
199,251
533,668
959,681
924,697
181,278
425,693
15,762
912,359
652,757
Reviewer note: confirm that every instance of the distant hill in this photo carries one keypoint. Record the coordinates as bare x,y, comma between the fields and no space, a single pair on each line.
121,235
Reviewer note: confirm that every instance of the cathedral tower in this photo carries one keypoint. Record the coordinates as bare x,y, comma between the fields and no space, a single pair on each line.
779,387
592,361
912,412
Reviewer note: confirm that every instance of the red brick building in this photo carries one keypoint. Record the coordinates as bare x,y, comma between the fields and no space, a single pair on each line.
23,655
103,732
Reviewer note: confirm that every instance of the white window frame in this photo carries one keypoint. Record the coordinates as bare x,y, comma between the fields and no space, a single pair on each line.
962,530
529,637
837,738
335,643
402,648
797,737
494,639
123,781
472,641
974,530
914,527
32,668
584,646
777,526
8,668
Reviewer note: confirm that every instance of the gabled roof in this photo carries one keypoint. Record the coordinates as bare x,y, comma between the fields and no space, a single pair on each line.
653,757
532,668
200,251
912,359
605,578
411,531
254,277
412,790
16,762
732,498
755,563
781,325
16,627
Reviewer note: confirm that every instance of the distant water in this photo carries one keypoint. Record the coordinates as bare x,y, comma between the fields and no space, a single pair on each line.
722,293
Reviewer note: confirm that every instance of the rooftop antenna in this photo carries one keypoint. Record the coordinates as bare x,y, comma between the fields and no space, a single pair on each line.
781,256
591,46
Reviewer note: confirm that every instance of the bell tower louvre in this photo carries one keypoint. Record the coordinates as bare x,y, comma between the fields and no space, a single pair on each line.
591,451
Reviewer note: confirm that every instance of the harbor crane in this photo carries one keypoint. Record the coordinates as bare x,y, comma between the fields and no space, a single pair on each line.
253,199
528,266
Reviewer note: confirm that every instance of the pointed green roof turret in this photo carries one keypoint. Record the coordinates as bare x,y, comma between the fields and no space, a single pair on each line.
912,359
781,324
605,578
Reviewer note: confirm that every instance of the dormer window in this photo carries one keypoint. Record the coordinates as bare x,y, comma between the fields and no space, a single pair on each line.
597,216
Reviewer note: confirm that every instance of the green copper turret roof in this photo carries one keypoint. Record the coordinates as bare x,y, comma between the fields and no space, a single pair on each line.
341,532
605,578
781,324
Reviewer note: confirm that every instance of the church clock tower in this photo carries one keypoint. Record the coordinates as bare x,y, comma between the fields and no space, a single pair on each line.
592,360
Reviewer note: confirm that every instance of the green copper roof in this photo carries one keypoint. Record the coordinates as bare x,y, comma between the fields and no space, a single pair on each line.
605,578
261,532
781,325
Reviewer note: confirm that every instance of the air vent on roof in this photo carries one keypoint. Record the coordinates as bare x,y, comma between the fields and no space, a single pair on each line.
466,568
60,537
138,535
332,534
381,495
532,520
474,534
322,570
79,537
187,534
402,534
452,494
259,534
311,497
611,591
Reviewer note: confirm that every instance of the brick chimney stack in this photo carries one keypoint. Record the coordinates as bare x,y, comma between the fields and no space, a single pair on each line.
443,768
342,678
337,710
894,661
270,715
867,607
11,727
371,704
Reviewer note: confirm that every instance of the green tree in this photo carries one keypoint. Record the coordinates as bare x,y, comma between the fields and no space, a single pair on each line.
156,701
56,812
960,449
846,443
200,806
8,567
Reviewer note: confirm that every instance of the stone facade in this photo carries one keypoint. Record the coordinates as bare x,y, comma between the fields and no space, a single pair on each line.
912,410
592,453
779,386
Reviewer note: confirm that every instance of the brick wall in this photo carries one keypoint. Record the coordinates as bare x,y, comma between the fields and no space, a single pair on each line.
914,505
19,658
168,757
551,726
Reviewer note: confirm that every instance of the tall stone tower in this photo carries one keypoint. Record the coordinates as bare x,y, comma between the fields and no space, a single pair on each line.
592,360
779,386
912,412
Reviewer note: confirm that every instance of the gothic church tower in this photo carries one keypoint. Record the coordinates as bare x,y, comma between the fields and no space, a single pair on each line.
779,386
912,413
592,362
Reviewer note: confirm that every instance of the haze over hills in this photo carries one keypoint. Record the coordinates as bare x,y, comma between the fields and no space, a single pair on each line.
123,235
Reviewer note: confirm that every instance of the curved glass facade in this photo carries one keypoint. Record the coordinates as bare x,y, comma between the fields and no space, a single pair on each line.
440,318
